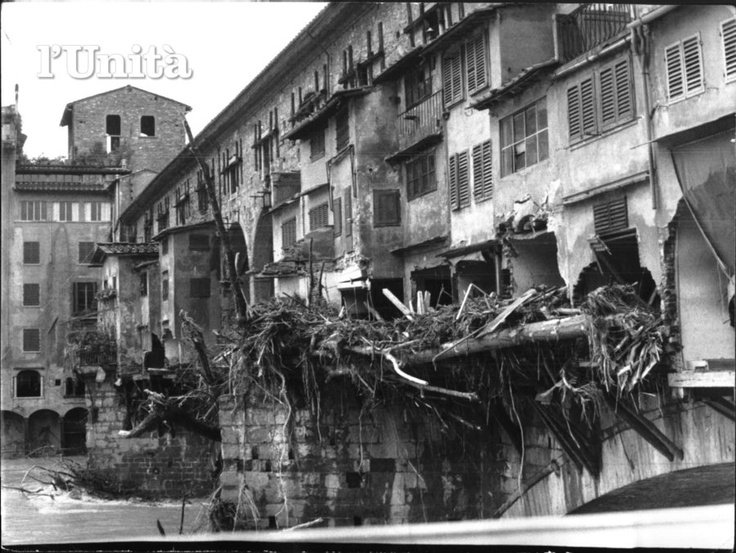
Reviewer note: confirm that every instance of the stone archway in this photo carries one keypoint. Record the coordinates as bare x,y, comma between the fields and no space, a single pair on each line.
74,433
13,434
44,432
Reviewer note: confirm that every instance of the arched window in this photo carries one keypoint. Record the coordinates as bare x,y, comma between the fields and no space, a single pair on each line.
28,384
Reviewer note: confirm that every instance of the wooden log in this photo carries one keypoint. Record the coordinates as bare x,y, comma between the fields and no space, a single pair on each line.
518,302
545,331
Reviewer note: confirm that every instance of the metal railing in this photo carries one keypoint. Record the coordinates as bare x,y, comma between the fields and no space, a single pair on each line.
422,120
590,25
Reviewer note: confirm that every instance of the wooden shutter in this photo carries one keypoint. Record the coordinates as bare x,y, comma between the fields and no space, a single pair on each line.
610,216
386,208
624,96
693,62
615,93
337,215
728,32
608,96
482,175
673,66
475,62
463,180
573,112
452,79
587,108
453,183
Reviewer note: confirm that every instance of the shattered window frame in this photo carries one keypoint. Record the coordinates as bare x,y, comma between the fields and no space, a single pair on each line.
517,137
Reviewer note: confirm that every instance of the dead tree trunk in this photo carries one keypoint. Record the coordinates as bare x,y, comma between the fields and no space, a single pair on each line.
240,303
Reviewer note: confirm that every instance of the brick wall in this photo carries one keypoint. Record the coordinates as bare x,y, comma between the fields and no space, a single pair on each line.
383,467
171,465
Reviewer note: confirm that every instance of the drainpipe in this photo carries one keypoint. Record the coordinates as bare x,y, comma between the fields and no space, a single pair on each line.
641,43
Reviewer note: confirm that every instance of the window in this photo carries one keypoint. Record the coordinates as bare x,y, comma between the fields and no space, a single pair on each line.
318,216
199,287
337,215
143,283
84,297
420,175
601,101
148,125
684,65
524,138
182,205
95,211
610,216
452,79
386,208
33,211
482,174
202,197
31,339
343,129
348,214
288,233
728,33
112,128
418,85
28,384
476,69
65,211
165,285
31,253
86,250
162,214
317,144
164,245
74,387
199,242
148,226
31,295
459,181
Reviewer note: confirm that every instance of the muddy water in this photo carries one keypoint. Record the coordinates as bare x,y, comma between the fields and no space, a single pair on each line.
75,517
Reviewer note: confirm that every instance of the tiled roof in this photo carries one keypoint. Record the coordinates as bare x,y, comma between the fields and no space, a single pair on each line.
25,186
127,248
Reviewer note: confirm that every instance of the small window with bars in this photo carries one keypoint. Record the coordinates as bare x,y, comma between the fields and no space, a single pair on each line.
32,340
31,253
288,233
459,181
318,216
482,172
31,295
386,208
728,34
684,67
524,140
199,287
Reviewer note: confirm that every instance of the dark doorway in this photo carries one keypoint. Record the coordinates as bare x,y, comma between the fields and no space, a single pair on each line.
74,436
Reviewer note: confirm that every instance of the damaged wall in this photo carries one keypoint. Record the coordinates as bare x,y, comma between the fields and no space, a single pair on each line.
383,467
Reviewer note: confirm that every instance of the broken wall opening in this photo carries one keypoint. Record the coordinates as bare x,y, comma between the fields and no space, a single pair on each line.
437,281
533,261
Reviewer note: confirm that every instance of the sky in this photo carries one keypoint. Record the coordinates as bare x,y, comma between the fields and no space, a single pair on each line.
221,47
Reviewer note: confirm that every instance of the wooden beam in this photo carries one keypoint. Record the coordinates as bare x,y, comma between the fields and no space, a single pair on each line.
553,330
703,379
644,427
723,406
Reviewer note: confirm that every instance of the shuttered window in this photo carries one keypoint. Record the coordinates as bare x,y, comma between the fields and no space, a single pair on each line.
337,215
728,33
31,295
288,233
386,208
318,216
420,175
684,66
610,216
348,214
459,181
601,101
31,253
343,129
452,79
475,63
199,287
31,339
482,174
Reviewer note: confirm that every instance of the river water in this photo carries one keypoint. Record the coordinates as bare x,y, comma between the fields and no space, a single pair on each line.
77,517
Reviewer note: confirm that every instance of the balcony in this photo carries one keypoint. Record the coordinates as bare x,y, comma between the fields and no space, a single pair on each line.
420,124
89,347
589,26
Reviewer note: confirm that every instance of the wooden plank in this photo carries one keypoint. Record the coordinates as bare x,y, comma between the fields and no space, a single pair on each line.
518,302
400,306
703,379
